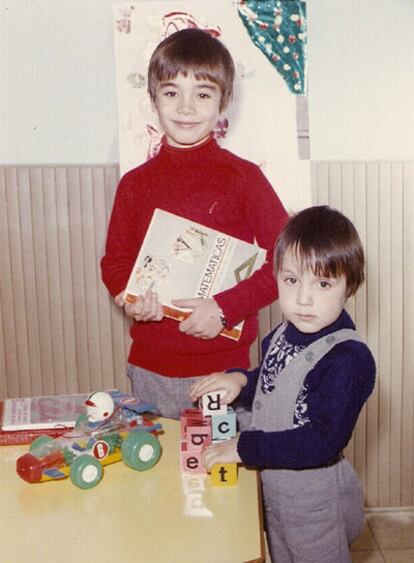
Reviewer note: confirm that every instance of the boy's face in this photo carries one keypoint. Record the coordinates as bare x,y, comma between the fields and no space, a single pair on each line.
309,302
188,109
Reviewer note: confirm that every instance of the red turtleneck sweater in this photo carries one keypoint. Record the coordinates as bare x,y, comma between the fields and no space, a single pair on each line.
211,186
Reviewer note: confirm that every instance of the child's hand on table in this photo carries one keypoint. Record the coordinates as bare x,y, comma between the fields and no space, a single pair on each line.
222,452
232,383
204,321
146,308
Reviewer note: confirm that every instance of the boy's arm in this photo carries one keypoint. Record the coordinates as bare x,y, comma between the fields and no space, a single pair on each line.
334,402
266,215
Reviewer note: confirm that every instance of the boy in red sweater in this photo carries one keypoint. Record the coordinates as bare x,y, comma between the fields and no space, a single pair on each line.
190,82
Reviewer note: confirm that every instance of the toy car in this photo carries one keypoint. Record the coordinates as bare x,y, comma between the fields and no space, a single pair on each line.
111,429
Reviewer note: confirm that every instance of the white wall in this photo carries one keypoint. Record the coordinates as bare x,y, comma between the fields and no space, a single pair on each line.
57,82
361,64
57,86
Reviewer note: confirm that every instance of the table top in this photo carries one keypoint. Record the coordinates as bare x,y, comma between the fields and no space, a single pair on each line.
155,516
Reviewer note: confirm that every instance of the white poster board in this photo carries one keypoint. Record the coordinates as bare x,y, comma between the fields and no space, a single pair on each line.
261,117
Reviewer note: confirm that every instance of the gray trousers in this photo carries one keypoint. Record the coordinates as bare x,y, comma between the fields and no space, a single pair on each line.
169,394
313,515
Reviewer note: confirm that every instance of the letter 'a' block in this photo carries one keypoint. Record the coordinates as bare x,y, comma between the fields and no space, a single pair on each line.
212,403
191,460
223,426
224,474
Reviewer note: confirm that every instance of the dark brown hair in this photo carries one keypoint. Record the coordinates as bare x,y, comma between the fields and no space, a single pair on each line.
325,242
195,51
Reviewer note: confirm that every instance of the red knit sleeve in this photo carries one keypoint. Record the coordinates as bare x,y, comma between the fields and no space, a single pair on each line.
266,215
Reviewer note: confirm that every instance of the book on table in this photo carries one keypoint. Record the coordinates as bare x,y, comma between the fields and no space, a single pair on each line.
43,412
182,259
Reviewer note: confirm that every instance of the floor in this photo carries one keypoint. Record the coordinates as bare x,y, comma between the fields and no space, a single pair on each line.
388,537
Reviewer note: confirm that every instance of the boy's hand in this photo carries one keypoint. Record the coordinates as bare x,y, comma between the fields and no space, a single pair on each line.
146,308
232,383
222,452
204,321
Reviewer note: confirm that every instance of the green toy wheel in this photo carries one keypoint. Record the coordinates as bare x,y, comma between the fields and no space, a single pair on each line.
141,450
86,471
39,442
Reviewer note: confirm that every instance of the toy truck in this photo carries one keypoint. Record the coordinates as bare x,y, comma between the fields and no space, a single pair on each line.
113,428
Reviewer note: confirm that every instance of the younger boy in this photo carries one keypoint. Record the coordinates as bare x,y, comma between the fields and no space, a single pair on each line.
306,395
190,81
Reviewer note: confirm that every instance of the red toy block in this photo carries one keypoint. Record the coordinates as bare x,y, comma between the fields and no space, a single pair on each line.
191,460
196,415
198,435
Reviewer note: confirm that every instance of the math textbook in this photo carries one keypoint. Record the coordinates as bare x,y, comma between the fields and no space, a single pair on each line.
180,258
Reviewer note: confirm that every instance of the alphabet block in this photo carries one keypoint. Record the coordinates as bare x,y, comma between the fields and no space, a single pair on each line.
224,474
223,426
195,415
198,435
191,460
212,403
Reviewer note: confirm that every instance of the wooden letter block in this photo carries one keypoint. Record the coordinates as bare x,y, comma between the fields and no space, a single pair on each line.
198,435
212,403
195,415
191,460
224,474
223,426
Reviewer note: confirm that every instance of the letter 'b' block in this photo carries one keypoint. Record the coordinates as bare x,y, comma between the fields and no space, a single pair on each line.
224,474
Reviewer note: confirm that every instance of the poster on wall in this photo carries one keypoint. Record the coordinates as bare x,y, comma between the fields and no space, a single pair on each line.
260,123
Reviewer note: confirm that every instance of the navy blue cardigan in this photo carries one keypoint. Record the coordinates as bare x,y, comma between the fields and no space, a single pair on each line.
336,390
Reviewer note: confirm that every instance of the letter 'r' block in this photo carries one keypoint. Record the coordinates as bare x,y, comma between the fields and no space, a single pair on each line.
224,474
223,426
212,403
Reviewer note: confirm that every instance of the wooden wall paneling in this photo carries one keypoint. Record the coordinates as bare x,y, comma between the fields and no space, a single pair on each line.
407,403
8,356
373,305
396,330
384,359
67,380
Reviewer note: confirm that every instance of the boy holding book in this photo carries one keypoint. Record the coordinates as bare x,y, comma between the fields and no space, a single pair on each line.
190,82
305,397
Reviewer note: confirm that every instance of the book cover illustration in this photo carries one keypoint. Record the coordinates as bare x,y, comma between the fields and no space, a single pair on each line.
60,411
181,259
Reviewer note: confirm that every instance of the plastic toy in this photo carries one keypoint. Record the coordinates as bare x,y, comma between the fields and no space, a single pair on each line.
112,429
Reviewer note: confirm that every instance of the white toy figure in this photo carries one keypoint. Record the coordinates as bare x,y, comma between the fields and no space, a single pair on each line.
99,406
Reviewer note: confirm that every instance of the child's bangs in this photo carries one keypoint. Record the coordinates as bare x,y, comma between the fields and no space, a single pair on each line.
171,69
320,263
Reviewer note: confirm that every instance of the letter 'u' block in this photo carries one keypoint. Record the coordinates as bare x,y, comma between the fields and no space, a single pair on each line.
224,474
212,404
191,460
223,426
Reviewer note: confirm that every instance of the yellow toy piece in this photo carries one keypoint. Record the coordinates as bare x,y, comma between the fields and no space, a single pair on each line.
224,475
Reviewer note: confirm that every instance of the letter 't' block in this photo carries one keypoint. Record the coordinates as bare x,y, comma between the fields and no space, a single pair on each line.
212,403
191,460
223,426
224,474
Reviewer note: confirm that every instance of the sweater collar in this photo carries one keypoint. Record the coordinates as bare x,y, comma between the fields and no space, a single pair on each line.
179,155
296,337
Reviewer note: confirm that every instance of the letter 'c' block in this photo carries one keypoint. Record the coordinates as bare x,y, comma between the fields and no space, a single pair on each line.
223,426
224,474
